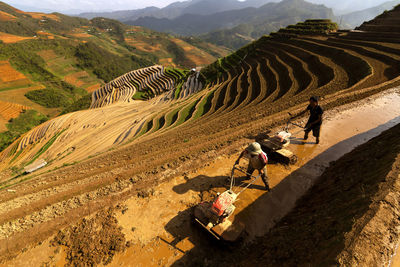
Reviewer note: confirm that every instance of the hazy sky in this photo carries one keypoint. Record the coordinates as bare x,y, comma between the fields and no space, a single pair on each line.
89,4
110,5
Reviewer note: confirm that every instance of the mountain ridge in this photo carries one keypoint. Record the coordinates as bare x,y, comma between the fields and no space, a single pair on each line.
291,11
176,9
354,19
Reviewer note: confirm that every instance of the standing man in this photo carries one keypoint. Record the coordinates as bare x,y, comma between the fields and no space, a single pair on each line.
315,120
257,161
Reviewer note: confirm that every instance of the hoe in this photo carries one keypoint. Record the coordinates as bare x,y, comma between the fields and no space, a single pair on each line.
213,215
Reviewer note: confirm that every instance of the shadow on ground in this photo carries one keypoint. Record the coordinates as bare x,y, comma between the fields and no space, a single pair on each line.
266,211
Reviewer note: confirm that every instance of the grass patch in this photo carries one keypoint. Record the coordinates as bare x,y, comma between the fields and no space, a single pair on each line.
171,117
80,104
204,105
50,98
178,90
25,86
45,147
159,124
145,128
187,112
20,125
139,95
16,156
104,64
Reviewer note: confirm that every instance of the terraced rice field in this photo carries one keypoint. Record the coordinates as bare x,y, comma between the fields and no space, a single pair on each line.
65,69
199,58
81,35
147,42
167,62
46,35
121,146
93,88
77,79
279,73
10,38
13,86
154,80
284,72
11,110
11,78
143,46
6,17
18,97
8,73
41,16
47,55
3,123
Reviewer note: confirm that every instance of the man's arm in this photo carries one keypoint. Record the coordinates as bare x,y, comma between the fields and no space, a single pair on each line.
298,115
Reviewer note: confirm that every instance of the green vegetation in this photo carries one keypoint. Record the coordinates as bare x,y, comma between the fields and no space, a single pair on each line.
310,27
201,44
204,105
178,54
171,117
24,57
6,139
45,147
28,26
236,28
148,94
106,65
222,65
63,92
113,27
178,90
238,36
110,50
50,98
187,112
20,125
139,95
80,104
180,76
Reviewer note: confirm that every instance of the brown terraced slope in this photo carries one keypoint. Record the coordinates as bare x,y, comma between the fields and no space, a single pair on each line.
122,142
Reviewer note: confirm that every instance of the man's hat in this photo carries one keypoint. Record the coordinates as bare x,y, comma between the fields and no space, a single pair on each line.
254,149
314,98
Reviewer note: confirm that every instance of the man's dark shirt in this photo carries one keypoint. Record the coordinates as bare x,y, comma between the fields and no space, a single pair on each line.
314,115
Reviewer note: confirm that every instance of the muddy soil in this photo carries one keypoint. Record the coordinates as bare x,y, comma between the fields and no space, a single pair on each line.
157,222
93,241
349,218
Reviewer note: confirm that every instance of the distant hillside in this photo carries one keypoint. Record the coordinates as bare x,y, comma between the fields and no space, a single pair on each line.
176,9
50,63
354,19
260,20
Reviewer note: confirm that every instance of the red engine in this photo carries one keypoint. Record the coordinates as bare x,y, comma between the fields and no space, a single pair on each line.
223,204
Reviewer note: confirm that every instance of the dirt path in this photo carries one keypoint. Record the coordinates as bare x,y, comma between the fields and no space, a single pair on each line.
157,222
